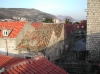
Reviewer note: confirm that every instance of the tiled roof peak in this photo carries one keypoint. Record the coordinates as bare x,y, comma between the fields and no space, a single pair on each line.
30,66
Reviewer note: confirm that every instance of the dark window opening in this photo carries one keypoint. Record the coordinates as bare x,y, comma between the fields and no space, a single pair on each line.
27,57
48,57
6,32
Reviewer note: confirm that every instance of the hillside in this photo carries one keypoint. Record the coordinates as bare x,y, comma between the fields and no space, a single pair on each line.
62,18
29,14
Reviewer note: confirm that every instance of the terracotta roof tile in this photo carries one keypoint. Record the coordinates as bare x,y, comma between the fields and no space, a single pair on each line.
37,40
15,26
32,66
37,25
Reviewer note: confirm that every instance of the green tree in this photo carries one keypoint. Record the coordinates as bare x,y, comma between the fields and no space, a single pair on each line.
48,20
67,21
76,23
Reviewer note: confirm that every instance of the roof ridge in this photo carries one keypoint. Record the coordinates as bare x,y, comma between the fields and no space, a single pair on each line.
35,58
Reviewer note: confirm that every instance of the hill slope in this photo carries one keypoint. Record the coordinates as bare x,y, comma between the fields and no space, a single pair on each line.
30,14
63,18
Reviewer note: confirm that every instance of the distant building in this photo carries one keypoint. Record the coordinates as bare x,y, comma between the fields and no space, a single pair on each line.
55,20
19,18
80,29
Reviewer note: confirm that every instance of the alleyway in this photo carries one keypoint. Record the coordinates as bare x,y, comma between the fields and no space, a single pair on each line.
70,63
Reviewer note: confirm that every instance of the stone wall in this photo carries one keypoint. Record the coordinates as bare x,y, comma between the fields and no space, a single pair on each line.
26,27
8,44
55,47
93,29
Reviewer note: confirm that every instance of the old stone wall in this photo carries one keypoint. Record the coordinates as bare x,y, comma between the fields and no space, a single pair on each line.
56,46
93,29
8,44
26,27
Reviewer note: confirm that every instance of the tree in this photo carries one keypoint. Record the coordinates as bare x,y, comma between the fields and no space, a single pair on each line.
76,23
67,21
48,20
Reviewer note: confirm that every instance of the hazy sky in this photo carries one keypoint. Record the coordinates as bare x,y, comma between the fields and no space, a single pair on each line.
73,8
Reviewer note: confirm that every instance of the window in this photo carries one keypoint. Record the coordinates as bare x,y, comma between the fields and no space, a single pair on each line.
48,57
27,57
5,33
77,26
82,26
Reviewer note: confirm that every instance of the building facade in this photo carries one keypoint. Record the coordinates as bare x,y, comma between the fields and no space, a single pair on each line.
93,29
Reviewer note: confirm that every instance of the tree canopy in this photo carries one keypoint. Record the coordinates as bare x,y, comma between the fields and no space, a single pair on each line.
67,21
48,20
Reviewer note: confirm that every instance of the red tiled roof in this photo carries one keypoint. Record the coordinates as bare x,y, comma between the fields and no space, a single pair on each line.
38,40
37,25
15,26
6,61
36,65
80,26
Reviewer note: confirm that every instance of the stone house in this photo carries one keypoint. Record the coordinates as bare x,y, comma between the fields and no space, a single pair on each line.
47,39
11,34
55,20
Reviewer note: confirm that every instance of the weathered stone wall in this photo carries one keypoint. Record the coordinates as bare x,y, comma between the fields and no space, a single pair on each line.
56,46
26,27
93,29
8,43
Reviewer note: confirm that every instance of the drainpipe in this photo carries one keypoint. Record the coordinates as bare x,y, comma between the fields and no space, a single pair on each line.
6,47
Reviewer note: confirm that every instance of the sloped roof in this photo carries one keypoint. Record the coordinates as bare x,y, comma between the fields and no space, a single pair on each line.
37,25
16,27
55,27
6,61
36,40
36,65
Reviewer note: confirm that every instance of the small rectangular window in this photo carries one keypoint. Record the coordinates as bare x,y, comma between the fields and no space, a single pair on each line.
82,26
5,33
48,57
77,26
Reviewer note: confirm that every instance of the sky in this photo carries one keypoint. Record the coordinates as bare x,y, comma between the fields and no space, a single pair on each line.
73,8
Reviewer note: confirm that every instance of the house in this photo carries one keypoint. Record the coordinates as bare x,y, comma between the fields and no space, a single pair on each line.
47,39
11,34
80,29
36,65
55,20
25,39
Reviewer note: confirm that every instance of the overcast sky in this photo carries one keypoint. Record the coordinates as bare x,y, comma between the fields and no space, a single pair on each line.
73,8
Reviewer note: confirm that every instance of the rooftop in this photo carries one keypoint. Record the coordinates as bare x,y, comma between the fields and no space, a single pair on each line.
35,65
15,28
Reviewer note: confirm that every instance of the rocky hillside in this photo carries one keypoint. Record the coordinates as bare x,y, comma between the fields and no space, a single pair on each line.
29,14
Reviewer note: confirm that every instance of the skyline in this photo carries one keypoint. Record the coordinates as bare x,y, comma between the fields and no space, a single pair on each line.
75,9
